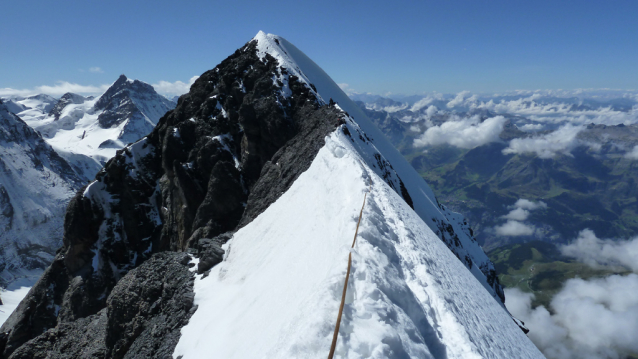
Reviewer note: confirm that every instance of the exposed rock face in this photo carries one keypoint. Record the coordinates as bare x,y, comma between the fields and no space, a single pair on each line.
143,317
133,101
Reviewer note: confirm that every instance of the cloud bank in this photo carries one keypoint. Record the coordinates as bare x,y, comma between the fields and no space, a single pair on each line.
174,88
603,253
60,88
464,133
548,145
633,154
595,318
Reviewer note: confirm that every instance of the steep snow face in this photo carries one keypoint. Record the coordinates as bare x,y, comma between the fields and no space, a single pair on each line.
35,187
88,132
451,227
277,292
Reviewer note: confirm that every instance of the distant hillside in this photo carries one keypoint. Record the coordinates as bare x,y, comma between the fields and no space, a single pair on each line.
591,184
538,267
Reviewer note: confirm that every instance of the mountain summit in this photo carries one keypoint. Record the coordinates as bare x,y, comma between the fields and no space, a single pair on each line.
134,102
226,232
87,132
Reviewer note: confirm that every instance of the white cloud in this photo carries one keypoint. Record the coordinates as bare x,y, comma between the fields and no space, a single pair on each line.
598,253
459,99
633,154
422,103
463,133
595,318
562,140
63,87
431,111
174,88
519,212
348,90
60,88
96,70
514,228
527,204
7,91
531,127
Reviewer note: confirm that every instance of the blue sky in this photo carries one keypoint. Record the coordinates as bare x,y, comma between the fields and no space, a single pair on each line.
400,47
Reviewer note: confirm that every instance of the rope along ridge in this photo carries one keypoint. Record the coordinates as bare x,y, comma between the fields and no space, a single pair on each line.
333,347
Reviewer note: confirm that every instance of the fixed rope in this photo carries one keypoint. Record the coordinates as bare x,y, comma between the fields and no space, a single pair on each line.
345,283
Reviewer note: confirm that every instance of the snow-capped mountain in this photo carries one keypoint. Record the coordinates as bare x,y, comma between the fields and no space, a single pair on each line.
88,131
35,187
30,108
227,230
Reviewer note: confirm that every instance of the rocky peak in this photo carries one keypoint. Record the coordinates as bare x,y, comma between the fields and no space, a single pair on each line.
133,101
121,88
66,99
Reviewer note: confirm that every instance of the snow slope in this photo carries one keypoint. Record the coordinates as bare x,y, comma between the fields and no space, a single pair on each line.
277,293
425,203
35,187
413,292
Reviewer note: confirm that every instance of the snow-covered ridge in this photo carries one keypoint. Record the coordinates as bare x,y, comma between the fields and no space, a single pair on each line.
279,286
451,227
411,294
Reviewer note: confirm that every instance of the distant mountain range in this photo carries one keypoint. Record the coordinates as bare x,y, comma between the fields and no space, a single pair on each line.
50,148
574,157
88,131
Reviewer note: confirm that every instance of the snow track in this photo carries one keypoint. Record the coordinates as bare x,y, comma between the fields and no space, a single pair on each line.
345,283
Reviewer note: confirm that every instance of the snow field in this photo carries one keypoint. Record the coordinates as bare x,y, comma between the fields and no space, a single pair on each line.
278,290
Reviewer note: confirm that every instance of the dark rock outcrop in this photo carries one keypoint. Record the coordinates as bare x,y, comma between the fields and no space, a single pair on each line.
143,317
133,102
66,99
